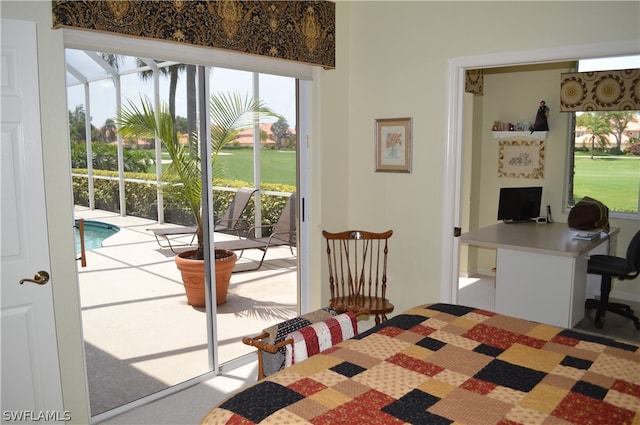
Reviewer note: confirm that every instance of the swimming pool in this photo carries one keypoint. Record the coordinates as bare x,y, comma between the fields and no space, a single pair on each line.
94,233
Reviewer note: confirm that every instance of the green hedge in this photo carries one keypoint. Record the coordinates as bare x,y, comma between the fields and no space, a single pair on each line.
141,198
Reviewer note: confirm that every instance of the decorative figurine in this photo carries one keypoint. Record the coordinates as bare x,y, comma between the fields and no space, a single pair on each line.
541,123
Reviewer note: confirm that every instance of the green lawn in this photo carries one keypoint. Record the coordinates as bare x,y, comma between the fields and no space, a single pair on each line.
613,180
276,166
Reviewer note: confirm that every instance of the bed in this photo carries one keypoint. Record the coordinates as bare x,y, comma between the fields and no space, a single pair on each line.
444,364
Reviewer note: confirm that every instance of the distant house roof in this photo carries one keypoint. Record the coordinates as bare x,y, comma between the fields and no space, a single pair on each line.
246,137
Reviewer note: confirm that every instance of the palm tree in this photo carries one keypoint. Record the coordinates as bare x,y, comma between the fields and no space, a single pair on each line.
596,126
109,131
172,71
230,114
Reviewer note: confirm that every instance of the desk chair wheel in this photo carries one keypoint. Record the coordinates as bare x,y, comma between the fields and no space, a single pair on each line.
618,308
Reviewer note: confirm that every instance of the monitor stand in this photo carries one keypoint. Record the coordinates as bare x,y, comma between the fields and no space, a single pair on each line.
524,220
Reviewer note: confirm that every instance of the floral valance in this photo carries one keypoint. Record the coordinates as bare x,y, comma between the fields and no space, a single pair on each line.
301,31
617,90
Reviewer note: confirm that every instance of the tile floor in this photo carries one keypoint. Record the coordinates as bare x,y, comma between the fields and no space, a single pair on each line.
140,334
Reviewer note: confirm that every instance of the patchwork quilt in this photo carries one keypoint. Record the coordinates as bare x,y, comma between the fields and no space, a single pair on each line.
446,364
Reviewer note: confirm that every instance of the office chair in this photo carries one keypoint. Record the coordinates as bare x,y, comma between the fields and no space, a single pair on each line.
609,266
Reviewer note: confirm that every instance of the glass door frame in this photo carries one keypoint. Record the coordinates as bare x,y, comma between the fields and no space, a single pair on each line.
204,58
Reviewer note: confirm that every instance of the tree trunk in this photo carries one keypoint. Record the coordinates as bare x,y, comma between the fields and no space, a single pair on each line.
191,101
173,83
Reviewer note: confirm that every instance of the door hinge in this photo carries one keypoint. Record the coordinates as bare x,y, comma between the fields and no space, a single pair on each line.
457,231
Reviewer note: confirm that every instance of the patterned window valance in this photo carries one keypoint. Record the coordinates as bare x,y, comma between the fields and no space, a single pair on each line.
301,31
474,82
617,90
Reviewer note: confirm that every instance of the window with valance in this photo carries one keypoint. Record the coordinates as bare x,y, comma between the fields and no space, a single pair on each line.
616,90
604,110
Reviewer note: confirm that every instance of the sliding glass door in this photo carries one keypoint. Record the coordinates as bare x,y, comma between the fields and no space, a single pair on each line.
142,336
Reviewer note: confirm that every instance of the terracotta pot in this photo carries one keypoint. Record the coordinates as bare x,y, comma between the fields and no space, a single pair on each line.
193,275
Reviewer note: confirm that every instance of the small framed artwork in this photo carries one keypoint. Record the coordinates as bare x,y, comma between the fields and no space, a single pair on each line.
521,159
393,145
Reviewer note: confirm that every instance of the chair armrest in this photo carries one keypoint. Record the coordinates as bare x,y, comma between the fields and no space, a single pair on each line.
251,233
231,220
233,225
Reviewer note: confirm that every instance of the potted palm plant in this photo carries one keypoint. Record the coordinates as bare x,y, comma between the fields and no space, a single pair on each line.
230,113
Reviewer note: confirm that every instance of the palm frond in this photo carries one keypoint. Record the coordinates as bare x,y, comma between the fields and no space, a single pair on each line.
230,114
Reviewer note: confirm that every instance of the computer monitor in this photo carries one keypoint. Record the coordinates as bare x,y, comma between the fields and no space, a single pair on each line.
519,204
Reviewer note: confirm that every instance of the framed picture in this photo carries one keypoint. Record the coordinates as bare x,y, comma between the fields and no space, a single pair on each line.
521,159
393,145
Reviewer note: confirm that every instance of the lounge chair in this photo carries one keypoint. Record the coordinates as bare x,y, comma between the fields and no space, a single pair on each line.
164,234
283,233
230,222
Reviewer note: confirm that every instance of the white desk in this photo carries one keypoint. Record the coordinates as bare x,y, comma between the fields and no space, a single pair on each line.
541,271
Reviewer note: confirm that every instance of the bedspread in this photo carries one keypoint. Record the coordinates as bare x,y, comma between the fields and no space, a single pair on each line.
444,364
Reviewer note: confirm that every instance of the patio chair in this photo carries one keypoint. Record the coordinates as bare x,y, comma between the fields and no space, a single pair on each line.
283,233
166,233
230,222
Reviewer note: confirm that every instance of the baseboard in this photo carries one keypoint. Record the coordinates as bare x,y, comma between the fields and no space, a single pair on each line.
478,272
485,273
624,296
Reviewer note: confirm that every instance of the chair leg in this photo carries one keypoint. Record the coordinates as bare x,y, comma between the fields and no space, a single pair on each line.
624,311
605,288
264,254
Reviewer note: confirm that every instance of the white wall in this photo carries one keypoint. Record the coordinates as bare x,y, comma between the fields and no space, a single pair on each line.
396,56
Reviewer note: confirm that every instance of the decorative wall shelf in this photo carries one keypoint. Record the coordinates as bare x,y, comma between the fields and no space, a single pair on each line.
539,135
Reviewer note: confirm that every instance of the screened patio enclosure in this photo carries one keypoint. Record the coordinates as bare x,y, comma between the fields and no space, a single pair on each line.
104,83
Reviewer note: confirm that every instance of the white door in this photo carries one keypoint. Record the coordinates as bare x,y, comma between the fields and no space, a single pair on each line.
31,388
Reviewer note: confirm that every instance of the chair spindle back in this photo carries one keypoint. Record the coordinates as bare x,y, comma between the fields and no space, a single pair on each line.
358,271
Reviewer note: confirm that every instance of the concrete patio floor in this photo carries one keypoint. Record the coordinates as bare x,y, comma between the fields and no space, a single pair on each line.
140,334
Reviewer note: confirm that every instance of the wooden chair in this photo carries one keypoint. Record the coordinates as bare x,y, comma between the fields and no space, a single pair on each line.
358,271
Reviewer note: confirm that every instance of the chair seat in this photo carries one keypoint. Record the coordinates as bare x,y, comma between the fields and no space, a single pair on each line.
609,265
373,305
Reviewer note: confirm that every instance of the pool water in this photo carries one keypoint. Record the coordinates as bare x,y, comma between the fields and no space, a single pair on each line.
94,233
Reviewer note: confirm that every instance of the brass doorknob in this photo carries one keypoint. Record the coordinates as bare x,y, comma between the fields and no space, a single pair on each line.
40,278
